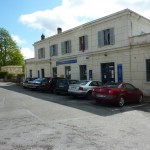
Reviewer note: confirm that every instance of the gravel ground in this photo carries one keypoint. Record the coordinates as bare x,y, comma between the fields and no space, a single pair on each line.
24,125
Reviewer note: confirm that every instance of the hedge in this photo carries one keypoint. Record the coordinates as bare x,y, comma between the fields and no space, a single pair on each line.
3,74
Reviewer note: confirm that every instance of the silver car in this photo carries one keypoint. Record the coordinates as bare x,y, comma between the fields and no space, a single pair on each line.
83,88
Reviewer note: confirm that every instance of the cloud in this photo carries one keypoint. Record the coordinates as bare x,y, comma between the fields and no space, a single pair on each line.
135,4
17,39
27,53
72,13
69,14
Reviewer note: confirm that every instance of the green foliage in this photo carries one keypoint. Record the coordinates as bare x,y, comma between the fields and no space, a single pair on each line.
11,75
3,74
9,51
20,75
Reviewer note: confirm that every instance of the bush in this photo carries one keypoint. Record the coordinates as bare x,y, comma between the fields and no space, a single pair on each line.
3,74
11,76
20,75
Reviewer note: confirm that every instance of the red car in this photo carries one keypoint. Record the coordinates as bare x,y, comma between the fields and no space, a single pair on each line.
118,93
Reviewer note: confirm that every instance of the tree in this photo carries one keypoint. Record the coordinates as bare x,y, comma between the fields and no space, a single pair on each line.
9,51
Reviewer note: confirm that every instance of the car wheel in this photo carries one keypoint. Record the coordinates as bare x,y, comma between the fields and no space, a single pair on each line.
140,99
89,95
121,102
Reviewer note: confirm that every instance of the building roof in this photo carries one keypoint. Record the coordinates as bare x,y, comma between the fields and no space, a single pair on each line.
102,19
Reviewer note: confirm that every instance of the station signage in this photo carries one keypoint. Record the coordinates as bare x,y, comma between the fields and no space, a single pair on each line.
66,62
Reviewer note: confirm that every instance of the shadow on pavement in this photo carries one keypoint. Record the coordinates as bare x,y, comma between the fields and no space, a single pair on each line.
102,109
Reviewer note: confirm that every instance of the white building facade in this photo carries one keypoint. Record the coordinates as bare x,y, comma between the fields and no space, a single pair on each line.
113,48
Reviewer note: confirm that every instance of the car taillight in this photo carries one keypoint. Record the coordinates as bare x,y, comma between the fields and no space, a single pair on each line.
80,88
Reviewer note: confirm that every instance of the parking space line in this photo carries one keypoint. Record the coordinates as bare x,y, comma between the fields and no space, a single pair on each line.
128,107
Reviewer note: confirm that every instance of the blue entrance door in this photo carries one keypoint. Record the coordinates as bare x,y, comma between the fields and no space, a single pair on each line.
83,72
108,72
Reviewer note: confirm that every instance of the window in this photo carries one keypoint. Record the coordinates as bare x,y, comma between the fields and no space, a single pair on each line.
148,69
83,72
108,72
93,83
55,72
38,73
41,53
54,50
30,73
68,72
66,47
99,83
129,87
106,37
83,43
42,73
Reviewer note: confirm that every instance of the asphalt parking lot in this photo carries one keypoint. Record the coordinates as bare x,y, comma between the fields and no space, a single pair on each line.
33,120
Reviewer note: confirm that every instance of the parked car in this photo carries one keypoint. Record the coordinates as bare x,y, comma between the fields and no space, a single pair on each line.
44,84
26,82
62,86
35,84
50,84
83,88
118,93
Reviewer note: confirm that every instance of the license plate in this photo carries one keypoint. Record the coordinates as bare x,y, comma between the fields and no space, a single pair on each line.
73,88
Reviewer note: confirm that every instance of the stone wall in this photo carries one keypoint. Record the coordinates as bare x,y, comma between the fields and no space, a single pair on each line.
12,69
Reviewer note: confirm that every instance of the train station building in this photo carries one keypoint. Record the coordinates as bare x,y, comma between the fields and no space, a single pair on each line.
115,48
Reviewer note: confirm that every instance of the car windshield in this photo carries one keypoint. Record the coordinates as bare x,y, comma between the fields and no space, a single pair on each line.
28,79
38,80
33,78
82,82
112,85
45,79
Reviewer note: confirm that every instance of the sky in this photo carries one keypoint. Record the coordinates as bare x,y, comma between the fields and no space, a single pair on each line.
27,20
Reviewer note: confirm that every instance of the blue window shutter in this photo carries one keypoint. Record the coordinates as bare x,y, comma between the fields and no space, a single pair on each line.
43,52
62,48
56,49
51,50
112,36
79,43
86,42
69,46
99,38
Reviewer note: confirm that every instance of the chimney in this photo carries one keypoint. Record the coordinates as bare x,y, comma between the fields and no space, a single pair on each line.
59,30
42,37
